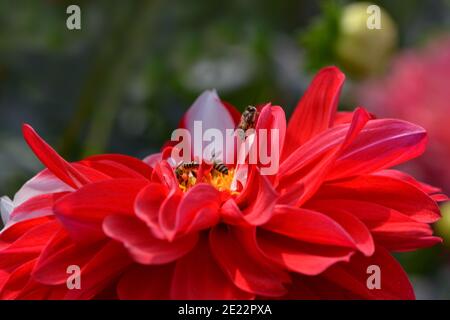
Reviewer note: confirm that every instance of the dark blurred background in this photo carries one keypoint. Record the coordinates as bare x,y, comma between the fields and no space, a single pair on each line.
122,82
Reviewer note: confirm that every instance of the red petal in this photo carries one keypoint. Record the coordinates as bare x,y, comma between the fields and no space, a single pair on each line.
330,141
197,276
389,227
146,283
147,205
24,241
407,178
31,241
43,183
167,212
356,229
82,212
100,271
316,110
119,166
17,281
198,209
309,226
380,145
343,117
61,252
317,288
165,174
271,118
37,291
299,256
401,243
389,192
253,206
140,243
52,160
353,276
38,206
175,214
112,169
15,231
439,197
238,256
305,170
91,174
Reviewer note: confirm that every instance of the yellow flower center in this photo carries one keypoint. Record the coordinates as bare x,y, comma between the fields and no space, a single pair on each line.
218,180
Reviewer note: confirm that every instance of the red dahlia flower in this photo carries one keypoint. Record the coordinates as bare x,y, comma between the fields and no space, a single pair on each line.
312,230
416,89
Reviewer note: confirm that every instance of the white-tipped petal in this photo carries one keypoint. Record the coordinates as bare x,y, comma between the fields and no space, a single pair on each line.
6,207
42,183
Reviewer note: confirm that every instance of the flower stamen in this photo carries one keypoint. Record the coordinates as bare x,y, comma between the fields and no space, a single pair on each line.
219,180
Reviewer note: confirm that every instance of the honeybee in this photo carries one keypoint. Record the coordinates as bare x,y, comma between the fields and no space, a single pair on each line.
248,120
218,165
183,170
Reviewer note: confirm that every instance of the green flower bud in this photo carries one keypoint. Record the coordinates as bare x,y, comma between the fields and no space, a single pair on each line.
366,39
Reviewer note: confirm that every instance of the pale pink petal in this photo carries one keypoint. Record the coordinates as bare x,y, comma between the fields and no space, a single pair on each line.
213,114
43,183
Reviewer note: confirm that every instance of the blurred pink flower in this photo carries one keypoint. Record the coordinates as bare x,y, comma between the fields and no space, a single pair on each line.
417,89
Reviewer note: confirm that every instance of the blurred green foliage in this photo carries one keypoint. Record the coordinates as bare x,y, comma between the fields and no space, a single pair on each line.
320,38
